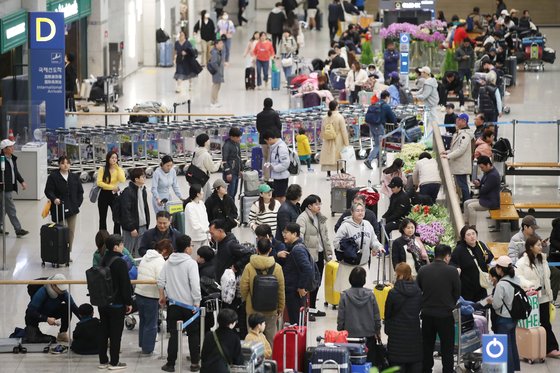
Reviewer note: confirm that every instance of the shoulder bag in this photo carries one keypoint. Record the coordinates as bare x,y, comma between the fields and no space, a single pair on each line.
219,345
483,279
195,175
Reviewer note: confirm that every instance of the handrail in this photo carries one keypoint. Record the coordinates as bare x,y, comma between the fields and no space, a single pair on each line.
150,114
448,184
66,282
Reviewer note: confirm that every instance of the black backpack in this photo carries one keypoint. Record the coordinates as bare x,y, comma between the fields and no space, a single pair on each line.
100,284
33,288
502,150
520,306
265,290
373,115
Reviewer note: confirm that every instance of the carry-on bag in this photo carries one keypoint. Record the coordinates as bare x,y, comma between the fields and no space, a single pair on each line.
251,182
341,182
10,345
250,78
332,296
176,209
531,344
275,80
382,288
245,206
289,345
55,242
253,354
257,159
339,356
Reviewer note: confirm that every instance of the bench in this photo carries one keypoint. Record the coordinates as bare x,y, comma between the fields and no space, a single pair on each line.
533,168
551,209
504,213
506,198
498,249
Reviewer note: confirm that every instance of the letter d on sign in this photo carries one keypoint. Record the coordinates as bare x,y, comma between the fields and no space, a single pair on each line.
52,27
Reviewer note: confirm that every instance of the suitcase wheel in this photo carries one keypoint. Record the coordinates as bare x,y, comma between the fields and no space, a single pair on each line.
332,214
23,350
43,264
130,322
16,350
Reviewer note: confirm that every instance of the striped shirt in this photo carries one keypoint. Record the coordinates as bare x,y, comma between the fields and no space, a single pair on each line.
269,216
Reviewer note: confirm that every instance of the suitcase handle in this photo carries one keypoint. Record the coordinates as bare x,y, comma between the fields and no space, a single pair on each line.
350,340
63,217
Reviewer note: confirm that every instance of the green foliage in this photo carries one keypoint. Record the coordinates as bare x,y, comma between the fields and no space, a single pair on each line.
449,64
367,54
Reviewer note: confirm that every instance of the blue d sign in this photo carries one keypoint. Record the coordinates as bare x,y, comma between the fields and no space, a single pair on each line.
494,348
46,30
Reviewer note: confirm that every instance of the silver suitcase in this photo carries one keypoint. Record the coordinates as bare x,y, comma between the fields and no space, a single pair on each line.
338,200
10,345
245,206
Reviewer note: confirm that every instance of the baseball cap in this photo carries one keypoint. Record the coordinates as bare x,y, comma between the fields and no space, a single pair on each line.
5,143
504,261
426,70
396,182
394,74
505,12
219,183
530,221
464,116
60,276
264,188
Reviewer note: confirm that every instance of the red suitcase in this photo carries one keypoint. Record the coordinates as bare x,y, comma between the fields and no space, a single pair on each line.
289,346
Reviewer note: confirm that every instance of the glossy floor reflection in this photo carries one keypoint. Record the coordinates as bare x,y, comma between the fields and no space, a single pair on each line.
535,98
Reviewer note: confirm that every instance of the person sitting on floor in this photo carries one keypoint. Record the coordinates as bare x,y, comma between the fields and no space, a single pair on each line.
84,341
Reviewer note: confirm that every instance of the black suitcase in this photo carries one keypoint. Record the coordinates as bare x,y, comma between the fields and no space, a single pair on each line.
319,20
55,243
511,63
250,78
332,357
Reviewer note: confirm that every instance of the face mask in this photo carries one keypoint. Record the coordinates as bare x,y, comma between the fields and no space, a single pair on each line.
225,17
206,16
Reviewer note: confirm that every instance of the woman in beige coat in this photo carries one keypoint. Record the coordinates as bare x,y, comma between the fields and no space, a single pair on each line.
332,142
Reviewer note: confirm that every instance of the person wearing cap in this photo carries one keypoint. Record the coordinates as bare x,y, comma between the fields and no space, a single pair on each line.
534,273
147,297
49,304
231,159
279,162
391,58
452,82
264,210
516,248
489,191
220,205
268,120
429,94
399,205
460,155
502,302
9,185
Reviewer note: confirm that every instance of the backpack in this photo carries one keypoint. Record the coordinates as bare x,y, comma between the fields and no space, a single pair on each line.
520,306
100,284
209,286
502,150
373,115
161,36
294,166
329,132
405,97
33,288
470,24
265,290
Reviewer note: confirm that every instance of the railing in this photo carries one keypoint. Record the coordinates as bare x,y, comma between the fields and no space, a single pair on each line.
133,282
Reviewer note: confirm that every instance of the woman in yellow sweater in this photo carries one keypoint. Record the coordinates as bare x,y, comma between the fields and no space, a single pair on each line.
109,184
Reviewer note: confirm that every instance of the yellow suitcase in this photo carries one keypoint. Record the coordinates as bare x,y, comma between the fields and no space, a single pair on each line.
382,287
332,297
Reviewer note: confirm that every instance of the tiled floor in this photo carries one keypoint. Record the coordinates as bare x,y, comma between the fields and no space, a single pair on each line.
535,98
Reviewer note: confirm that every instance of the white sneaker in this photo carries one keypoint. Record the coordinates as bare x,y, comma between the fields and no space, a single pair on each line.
102,366
506,93
462,108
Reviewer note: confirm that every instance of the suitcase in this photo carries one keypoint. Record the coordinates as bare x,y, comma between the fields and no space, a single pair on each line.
250,186
310,100
531,344
55,247
332,357
250,78
178,221
253,354
382,288
340,184
165,53
357,351
361,368
36,347
245,207
338,200
511,64
270,366
257,159
10,345
332,297
275,84
289,346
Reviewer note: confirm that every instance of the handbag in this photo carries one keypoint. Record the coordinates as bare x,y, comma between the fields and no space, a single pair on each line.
348,251
483,279
348,154
220,349
46,209
381,360
288,61
195,175
94,193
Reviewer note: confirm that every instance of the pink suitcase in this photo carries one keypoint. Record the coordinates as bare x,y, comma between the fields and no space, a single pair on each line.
481,324
531,344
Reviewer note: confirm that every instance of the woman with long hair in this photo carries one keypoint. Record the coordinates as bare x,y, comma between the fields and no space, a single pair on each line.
394,170
108,178
196,219
408,248
264,210
249,51
184,55
534,273
203,160
164,179
335,136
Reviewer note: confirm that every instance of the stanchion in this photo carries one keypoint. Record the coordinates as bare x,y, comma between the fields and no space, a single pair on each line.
380,160
514,123
202,325
3,220
179,346
161,333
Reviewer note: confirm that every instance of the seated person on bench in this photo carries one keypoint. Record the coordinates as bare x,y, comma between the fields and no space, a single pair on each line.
451,83
489,195
49,304
399,205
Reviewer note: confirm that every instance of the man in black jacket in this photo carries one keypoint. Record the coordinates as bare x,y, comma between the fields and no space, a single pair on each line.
268,119
112,316
231,158
399,205
337,62
134,214
275,24
162,230
289,210
220,205
12,176
441,288
228,249
451,83
489,191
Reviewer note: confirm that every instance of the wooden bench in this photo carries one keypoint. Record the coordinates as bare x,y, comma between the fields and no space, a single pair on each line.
533,168
498,249
506,198
504,213
551,209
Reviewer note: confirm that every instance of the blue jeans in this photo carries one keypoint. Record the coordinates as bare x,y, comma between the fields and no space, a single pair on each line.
375,130
227,48
505,325
287,70
232,187
431,190
262,65
147,331
463,184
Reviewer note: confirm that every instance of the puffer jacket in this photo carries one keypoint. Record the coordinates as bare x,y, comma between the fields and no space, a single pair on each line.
402,322
530,278
460,153
482,148
315,236
149,269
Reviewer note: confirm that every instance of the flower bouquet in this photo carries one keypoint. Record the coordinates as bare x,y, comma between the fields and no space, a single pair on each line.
409,154
434,226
